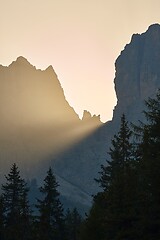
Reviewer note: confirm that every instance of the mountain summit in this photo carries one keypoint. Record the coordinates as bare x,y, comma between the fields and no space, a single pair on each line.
137,73
34,113
31,95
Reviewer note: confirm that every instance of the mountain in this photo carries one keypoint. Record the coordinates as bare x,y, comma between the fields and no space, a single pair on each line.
137,78
32,96
37,122
32,109
137,73
40,129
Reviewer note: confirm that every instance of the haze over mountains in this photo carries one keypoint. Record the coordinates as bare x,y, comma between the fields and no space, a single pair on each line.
39,128
37,123
34,111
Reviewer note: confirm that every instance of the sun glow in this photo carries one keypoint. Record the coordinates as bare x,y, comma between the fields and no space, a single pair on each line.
36,120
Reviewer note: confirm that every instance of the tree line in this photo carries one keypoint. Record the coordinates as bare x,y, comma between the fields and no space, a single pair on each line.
126,208
17,220
128,205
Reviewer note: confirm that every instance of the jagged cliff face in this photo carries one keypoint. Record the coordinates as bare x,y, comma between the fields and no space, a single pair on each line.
137,73
38,129
31,96
137,78
36,119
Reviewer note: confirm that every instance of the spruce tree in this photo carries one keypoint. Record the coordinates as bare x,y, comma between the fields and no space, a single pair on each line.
94,226
14,193
26,217
148,152
118,179
113,214
73,222
121,155
51,219
2,218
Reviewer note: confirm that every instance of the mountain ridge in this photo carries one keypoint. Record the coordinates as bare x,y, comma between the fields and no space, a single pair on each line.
37,122
84,143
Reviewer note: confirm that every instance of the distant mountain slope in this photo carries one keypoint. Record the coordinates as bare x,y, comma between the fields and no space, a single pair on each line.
31,96
33,111
36,121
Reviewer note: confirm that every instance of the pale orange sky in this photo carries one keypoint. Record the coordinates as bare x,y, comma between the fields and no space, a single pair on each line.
80,39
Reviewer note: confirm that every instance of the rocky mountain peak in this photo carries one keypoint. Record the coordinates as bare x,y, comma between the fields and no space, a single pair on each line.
21,62
32,95
88,117
137,73
50,69
39,128
22,59
154,28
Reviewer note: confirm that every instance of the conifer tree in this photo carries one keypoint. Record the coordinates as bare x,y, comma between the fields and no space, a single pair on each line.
121,155
94,226
2,218
14,194
148,152
113,213
50,220
118,179
26,217
73,222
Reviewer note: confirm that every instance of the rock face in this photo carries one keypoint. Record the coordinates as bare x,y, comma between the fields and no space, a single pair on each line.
29,96
38,127
137,78
34,114
137,73
92,120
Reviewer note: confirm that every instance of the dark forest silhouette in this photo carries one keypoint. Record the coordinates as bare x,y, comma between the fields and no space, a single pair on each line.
18,222
128,207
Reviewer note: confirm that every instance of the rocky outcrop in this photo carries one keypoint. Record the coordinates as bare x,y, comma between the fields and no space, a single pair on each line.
87,117
137,73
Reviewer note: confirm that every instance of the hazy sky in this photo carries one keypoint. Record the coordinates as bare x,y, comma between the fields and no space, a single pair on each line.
81,39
